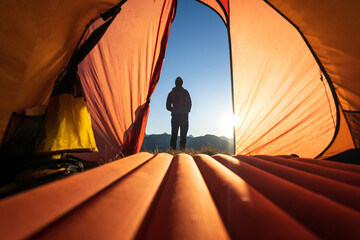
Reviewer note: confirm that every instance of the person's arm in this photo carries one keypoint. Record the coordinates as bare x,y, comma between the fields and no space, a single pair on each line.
189,101
169,106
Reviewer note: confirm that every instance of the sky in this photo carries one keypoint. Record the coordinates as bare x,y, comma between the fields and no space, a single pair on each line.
198,52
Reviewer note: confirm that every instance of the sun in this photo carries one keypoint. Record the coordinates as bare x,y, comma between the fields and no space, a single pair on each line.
227,122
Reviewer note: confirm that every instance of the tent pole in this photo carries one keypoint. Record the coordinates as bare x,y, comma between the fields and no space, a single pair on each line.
232,80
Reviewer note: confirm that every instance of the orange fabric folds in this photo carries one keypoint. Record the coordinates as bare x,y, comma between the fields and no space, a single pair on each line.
280,103
36,42
294,67
294,71
331,28
121,72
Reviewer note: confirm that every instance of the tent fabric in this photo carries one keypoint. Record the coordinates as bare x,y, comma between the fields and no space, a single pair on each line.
331,31
67,123
162,196
121,73
279,104
294,69
218,7
135,137
36,43
118,76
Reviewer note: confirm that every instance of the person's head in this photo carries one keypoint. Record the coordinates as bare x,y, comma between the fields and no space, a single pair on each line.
178,82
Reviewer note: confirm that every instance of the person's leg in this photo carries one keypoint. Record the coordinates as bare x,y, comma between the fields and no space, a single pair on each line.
184,127
175,124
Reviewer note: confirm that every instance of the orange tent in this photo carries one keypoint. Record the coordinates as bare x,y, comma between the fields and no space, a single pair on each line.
294,67
294,71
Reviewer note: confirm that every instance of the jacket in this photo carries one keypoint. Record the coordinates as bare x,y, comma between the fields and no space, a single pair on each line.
178,101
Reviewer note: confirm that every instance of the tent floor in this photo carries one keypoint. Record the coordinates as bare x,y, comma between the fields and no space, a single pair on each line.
350,156
41,171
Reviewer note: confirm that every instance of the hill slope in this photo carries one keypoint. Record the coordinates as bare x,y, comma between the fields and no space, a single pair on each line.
161,142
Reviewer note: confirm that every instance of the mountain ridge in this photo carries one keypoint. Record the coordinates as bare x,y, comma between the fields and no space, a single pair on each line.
161,142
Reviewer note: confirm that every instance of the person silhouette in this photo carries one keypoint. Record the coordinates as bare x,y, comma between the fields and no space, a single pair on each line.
179,104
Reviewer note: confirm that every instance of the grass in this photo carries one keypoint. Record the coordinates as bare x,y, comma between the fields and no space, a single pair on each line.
209,150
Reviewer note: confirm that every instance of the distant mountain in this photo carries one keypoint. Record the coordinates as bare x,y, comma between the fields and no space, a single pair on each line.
161,142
